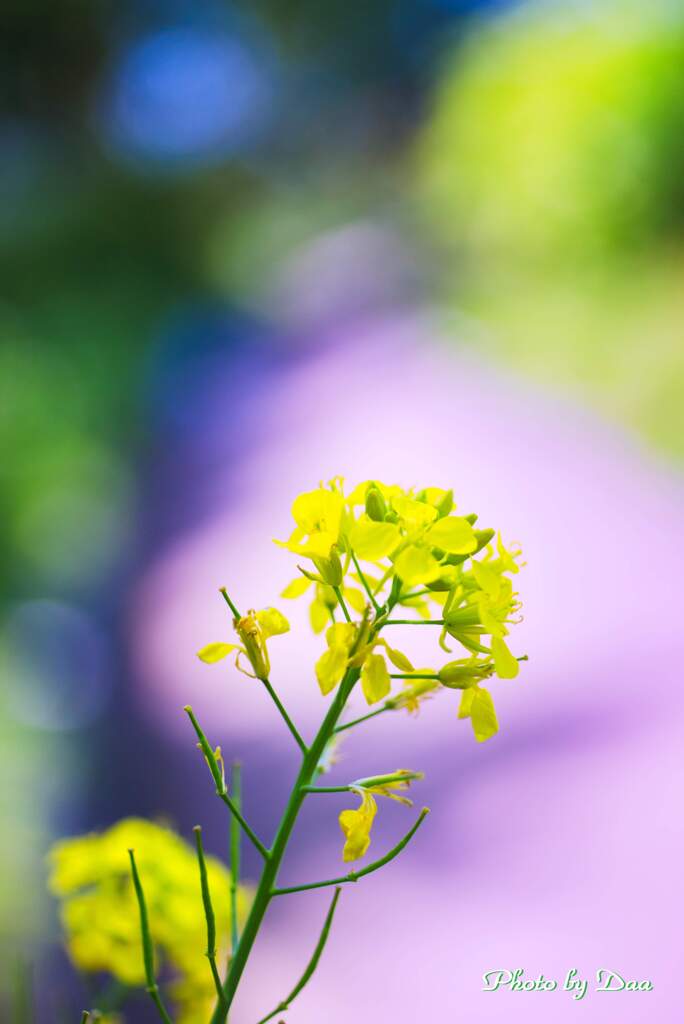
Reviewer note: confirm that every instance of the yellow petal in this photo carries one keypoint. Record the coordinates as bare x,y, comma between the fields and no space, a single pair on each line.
482,714
414,513
330,667
375,680
215,652
487,579
319,615
371,541
506,665
398,659
356,826
453,534
466,703
355,598
318,511
272,622
296,588
416,565
341,634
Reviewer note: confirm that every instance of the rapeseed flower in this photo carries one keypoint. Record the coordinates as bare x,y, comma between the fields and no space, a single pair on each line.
90,875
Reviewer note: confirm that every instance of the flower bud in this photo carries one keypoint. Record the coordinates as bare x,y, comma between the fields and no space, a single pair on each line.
376,508
445,504
459,675
330,568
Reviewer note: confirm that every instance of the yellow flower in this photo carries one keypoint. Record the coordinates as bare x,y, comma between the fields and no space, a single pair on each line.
478,706
99,911
254,629
318,515
356,826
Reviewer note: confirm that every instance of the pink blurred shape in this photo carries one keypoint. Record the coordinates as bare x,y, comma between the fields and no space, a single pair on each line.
558,843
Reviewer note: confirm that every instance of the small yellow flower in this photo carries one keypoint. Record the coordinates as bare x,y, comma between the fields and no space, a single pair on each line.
99,911
253,629
356,826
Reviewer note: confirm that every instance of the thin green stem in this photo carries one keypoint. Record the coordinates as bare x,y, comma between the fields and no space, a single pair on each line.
84,1016
236,787
368,783
363,718
345,610
208,913
415,593
148,950
413,675
286,718
364,582
226,598
325,789
263,894
414,622
354,876
312,964
221,790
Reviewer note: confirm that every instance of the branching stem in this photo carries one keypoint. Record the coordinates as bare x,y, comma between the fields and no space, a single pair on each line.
354,876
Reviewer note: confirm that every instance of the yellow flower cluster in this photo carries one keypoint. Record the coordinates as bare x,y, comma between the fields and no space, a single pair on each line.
382,547
91,875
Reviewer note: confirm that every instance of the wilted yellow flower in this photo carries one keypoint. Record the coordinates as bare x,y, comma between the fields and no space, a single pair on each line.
91,876
356,826
253,629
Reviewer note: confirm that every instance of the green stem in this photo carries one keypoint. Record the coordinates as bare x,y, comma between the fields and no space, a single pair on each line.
354,876
236,787
345,610
84,1016
414,622
286,718
148,951
208,913
364,582
312,964
416,593
221,790
368,783
413,675
236,613
363,718
263,894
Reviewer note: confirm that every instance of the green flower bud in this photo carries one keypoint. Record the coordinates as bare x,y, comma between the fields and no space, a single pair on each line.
459,676
468,616
330,568
483,538
446,504
376,509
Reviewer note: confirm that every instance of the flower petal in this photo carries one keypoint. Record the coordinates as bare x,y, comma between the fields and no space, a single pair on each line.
296,587
330,667
272,622
506,665
375,680
371,541
416,565
215,652
453,534
482,714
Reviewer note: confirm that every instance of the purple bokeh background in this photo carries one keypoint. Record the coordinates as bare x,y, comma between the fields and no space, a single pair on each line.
555,845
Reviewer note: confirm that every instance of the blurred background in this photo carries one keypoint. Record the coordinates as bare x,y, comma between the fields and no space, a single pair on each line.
245,247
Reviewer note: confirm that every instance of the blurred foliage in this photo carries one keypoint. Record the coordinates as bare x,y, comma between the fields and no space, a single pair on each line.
552,171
